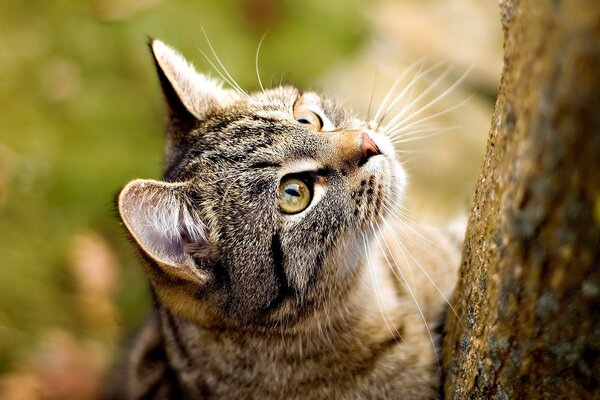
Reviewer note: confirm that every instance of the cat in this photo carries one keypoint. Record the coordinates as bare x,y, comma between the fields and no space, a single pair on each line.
277,268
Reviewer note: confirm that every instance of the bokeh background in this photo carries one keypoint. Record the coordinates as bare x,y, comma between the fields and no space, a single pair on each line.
81,113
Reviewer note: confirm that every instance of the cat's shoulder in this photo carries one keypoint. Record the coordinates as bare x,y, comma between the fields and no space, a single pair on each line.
143,371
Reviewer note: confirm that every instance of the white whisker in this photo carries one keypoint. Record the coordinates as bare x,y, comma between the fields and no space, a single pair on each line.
446,111
393,87
432,102
372,94
415,138
216,69
375,286
399,242
404,110
412,295
405,151
262,88
400,217
231,81
403,278
415,79
401,134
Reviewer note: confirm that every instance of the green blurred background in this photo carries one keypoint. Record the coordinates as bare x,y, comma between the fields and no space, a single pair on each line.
81,113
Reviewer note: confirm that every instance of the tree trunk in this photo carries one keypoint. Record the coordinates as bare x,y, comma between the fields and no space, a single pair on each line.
526,318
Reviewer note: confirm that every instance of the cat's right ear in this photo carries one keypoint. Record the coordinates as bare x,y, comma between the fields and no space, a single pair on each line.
164,226
188,94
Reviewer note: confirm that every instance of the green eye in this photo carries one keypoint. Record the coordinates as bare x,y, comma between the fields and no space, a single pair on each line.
294,196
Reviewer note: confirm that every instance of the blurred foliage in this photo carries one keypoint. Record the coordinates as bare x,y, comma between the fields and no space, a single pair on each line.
81,114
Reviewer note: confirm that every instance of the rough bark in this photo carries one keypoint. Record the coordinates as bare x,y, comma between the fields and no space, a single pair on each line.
527,308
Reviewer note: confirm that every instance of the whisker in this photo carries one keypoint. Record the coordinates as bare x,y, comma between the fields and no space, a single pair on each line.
415,79
393,132
412,278
409,216
393,87
446,111
399,242
414,138
271,81
405,151
404,110
375,286
372,93
406,213
402,134
256,62
432,102
231,80
407,225
216,69
391,90
403,215
412,295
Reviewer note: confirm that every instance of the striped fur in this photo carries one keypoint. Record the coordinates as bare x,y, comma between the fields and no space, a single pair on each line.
252,303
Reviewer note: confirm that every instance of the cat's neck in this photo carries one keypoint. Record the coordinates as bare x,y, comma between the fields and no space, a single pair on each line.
350,338
370,311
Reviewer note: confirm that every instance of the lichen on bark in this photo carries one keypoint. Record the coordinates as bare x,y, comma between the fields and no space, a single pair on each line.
527,307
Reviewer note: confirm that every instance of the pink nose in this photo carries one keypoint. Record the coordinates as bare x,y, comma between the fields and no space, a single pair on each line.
368,148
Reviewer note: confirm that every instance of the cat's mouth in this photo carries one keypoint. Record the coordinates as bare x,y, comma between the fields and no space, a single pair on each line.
383,182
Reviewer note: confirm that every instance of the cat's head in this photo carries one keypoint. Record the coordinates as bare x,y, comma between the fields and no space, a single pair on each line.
266,201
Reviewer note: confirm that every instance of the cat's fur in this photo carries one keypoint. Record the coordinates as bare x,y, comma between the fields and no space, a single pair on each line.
252,303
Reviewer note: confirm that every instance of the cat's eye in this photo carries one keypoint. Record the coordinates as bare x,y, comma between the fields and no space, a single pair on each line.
306,117
294,196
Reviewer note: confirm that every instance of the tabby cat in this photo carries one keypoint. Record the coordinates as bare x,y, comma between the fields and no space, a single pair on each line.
277,268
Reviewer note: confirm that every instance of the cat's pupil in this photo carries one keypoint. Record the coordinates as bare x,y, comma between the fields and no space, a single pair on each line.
292,192
303,121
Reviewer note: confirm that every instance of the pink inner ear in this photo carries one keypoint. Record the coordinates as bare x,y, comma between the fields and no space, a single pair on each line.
160,221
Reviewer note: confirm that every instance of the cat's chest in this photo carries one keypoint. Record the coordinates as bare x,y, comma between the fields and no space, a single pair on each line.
216,368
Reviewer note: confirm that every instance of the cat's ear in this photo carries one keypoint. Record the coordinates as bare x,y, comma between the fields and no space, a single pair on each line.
187,93
159,219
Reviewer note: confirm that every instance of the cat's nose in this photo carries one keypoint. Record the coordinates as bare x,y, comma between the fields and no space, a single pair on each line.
368,148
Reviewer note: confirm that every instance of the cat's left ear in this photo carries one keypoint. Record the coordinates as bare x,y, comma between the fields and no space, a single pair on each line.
187,93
